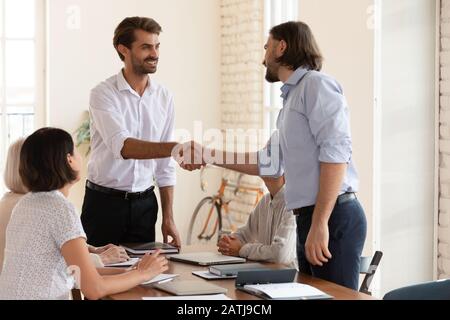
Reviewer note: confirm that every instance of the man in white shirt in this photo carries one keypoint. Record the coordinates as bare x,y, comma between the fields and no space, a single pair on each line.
132,122
270,232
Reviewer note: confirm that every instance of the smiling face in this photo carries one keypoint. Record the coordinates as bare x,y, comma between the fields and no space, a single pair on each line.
143,56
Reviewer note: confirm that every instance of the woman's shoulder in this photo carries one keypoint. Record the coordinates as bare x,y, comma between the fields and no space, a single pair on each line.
9,201
11,197
52,201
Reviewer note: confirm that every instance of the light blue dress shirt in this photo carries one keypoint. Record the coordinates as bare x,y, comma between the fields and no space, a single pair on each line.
313,128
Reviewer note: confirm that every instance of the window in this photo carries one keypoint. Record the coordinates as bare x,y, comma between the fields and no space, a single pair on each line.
21,71
276,12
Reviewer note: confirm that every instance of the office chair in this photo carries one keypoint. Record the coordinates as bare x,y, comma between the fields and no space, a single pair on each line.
369,266
436,290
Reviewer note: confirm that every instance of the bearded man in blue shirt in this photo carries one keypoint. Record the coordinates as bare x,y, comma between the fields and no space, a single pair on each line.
313,149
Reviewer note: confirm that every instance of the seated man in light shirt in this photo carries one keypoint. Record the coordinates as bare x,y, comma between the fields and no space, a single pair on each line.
270,232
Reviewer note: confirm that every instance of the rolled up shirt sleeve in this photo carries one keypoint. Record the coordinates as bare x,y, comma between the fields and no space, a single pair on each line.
165,169
108,122
328,117
270,159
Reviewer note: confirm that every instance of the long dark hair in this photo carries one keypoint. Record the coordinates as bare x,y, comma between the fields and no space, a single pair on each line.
302,49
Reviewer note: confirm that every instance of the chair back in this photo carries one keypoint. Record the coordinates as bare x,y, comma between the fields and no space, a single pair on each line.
436,290
369,266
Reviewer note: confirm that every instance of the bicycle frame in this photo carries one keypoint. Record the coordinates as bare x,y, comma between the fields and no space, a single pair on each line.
218,203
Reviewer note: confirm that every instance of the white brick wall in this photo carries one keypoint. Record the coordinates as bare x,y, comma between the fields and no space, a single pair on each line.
242,43
444,205
242,79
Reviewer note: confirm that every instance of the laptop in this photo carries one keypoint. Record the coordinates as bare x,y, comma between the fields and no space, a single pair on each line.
205,258
190,288
234,269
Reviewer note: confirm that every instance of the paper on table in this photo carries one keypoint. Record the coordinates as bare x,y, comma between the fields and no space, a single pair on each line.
128,263
161,278
286,290
210,276
208,297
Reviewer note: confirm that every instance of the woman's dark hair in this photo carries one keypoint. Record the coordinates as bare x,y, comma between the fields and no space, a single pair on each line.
43,160
302,49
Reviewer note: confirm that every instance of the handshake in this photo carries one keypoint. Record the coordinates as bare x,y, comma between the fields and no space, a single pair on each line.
192,156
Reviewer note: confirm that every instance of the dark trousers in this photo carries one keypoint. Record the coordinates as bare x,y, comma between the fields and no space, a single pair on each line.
111,219
348,229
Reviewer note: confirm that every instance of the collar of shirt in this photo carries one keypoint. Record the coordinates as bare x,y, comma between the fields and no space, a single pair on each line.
278,198
123,85
293,80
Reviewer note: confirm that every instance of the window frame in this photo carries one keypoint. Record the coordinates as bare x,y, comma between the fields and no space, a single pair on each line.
275,12
38,105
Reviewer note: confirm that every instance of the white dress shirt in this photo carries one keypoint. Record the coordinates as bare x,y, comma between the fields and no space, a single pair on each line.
118,113
270,232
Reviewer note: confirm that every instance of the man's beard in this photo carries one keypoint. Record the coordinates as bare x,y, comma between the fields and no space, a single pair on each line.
142,68
271,75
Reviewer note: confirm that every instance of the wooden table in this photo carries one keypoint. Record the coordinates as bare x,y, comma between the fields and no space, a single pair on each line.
185,272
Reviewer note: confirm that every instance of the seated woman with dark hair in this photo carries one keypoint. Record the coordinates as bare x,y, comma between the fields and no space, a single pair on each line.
45,239
101,256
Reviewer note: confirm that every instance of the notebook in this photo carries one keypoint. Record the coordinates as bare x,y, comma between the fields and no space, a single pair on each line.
125,264
205,258
150,247
201,298
190,288
233,269
286,291
277,285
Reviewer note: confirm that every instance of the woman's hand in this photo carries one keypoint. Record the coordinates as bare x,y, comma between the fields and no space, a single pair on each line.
151,266
112,254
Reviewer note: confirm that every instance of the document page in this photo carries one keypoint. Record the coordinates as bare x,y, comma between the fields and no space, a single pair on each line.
286,290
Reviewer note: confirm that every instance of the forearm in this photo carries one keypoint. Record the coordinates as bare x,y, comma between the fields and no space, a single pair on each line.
246,163
262,252
331,179
278,250
111,271
167,195
111,284
144,150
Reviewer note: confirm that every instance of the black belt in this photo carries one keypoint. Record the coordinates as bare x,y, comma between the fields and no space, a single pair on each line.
121,194
346,197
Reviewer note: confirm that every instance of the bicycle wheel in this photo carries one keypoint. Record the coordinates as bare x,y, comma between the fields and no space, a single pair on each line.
206,223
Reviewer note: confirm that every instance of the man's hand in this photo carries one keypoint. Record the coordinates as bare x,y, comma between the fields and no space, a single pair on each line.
169,229
189,156
230,246
316,245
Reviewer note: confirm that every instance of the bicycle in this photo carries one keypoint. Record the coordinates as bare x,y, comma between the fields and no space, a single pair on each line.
213,212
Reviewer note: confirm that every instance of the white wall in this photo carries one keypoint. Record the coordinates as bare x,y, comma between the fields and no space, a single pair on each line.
443,270
79,58
341,29
407,141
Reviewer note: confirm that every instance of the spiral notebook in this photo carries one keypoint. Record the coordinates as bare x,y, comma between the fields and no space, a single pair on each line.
277,285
